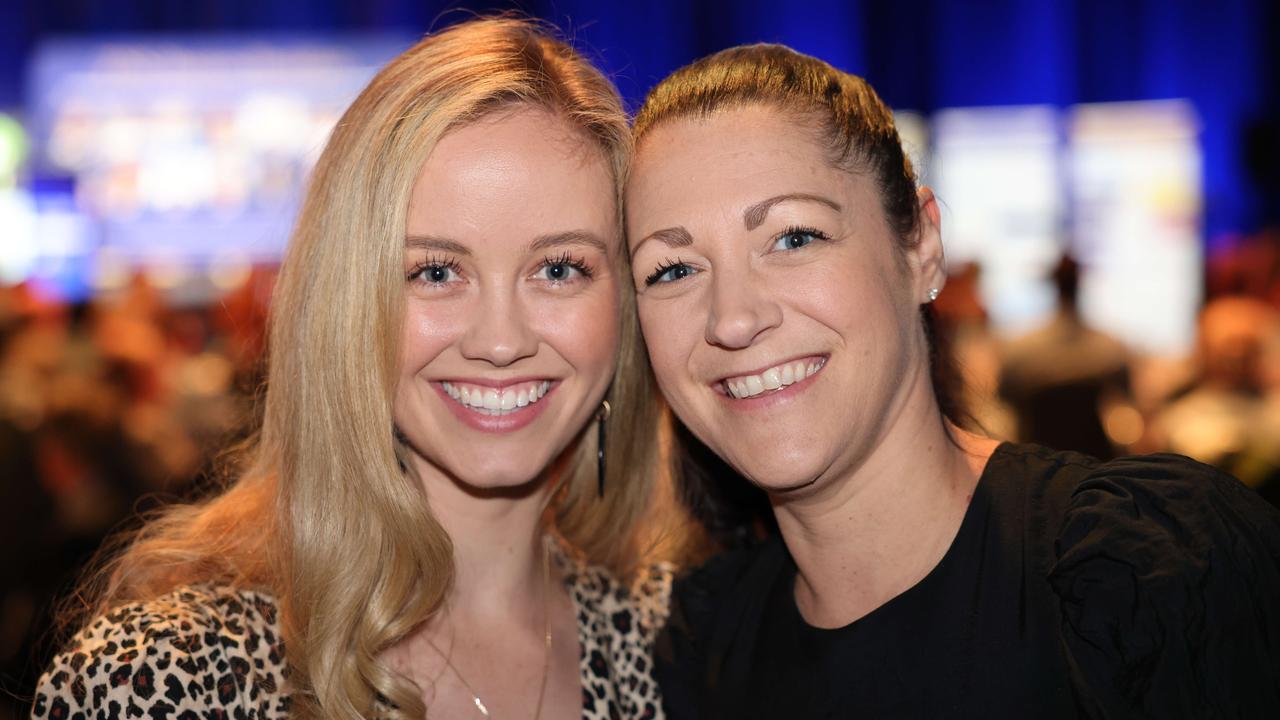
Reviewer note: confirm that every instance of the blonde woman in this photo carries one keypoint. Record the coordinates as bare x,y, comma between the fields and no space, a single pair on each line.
424,526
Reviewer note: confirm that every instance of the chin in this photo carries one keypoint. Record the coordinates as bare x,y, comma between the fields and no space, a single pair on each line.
505,476
781,472
781,481
498,472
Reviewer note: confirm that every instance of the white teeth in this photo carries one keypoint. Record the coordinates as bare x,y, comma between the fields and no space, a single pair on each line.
497,401
775,378
772,379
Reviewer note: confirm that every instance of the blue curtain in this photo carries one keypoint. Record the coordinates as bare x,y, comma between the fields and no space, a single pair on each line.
920,54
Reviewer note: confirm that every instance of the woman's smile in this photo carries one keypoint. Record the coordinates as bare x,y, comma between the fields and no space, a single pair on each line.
776,379
503,408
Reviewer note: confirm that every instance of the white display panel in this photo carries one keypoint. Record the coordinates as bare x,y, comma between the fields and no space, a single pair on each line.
1136,205
913,131
186,153
997,174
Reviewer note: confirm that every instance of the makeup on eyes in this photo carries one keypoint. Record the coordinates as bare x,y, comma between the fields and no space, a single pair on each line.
800,231
566,259
680,270
430,270
667,266
434,264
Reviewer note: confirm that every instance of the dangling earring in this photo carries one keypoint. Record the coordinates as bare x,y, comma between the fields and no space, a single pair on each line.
601,418
398,437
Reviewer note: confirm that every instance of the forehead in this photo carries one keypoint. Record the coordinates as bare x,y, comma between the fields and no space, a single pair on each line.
726,162
512,144
520,170
736,136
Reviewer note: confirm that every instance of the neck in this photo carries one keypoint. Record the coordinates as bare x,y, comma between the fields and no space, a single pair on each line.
491,638
865,537
498,553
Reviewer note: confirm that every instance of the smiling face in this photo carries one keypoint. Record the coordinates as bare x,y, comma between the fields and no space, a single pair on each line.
782,321
511,299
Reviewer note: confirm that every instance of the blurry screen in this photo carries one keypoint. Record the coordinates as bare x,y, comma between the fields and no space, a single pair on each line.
1136,195
17,228
185,157
996,173
913,131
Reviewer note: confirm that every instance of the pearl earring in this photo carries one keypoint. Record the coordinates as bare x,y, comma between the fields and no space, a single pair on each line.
933,294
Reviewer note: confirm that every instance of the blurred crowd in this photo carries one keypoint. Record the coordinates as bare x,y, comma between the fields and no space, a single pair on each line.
1068,386
108,408
118,404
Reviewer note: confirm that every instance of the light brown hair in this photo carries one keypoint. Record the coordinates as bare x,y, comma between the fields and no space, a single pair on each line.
846,116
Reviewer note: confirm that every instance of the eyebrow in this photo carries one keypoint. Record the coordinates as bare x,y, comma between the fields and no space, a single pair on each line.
754,216
539,244
428,242
571,237
672,237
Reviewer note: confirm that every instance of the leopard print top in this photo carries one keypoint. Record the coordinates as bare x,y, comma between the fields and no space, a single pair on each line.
217,652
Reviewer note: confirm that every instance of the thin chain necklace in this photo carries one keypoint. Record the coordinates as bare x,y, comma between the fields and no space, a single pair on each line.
546,633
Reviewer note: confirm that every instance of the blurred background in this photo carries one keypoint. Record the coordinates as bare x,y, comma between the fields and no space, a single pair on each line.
1109,174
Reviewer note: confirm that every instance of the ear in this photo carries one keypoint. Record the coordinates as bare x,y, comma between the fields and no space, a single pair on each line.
928,263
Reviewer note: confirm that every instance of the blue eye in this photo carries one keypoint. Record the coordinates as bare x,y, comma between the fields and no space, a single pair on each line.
558,272
669,272
435,272
564,268
796,238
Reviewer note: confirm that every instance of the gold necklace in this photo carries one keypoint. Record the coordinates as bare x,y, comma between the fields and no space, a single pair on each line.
546,633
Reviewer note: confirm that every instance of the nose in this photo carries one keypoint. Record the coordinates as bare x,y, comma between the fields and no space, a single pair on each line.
499,332
741,309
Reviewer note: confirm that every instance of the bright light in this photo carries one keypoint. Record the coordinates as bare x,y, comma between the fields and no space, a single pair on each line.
18,248
13,149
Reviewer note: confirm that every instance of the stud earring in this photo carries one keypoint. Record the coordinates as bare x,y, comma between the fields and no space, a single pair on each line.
933,294
601,418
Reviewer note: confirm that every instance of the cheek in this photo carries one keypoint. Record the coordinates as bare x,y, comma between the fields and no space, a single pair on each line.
584,330
857,300
428,333
864,312
666,326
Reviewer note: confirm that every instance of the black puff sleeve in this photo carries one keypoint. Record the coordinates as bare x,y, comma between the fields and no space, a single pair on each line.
1168,573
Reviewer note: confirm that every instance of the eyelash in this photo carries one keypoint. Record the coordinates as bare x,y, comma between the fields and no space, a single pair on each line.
813,232
432,263
661,270
668,264
453,265
565,258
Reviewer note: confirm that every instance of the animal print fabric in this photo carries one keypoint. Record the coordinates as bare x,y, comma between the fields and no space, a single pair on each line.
205,652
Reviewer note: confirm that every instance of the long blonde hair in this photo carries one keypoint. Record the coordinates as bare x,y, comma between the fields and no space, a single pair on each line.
322,514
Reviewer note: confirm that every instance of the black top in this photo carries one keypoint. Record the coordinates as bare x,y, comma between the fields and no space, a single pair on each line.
1141,587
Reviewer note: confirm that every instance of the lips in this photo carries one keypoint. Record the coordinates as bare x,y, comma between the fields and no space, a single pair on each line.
489,400
772,379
